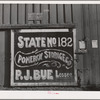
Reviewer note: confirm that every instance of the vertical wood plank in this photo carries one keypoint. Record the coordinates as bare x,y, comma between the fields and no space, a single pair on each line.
60,14
7,51
45,11
98,50
87,57
53,14
6,14
37,10
1,14
94,51
21,14
29,9
14,14
2,56
98,29
78,20
68,16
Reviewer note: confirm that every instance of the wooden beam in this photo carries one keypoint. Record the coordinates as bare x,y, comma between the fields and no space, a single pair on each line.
34,26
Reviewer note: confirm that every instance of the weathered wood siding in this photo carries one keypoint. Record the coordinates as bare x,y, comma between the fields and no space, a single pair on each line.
92,32
2,57
17,14
85,17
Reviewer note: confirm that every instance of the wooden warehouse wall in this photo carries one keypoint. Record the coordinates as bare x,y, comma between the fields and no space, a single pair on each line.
15,14
85,17
92,32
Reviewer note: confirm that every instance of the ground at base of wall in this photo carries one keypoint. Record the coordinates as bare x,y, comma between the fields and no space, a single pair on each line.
59,88
43,88
91,88
52,88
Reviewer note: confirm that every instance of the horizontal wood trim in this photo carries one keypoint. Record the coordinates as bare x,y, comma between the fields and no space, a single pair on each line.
4,27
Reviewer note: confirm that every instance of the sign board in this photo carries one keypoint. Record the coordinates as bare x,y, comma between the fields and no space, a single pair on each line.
41,57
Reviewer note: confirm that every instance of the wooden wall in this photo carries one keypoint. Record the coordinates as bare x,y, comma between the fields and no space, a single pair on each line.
85,17
92,32
18,13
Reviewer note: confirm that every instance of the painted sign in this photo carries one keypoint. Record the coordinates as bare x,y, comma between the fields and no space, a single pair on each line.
42,57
